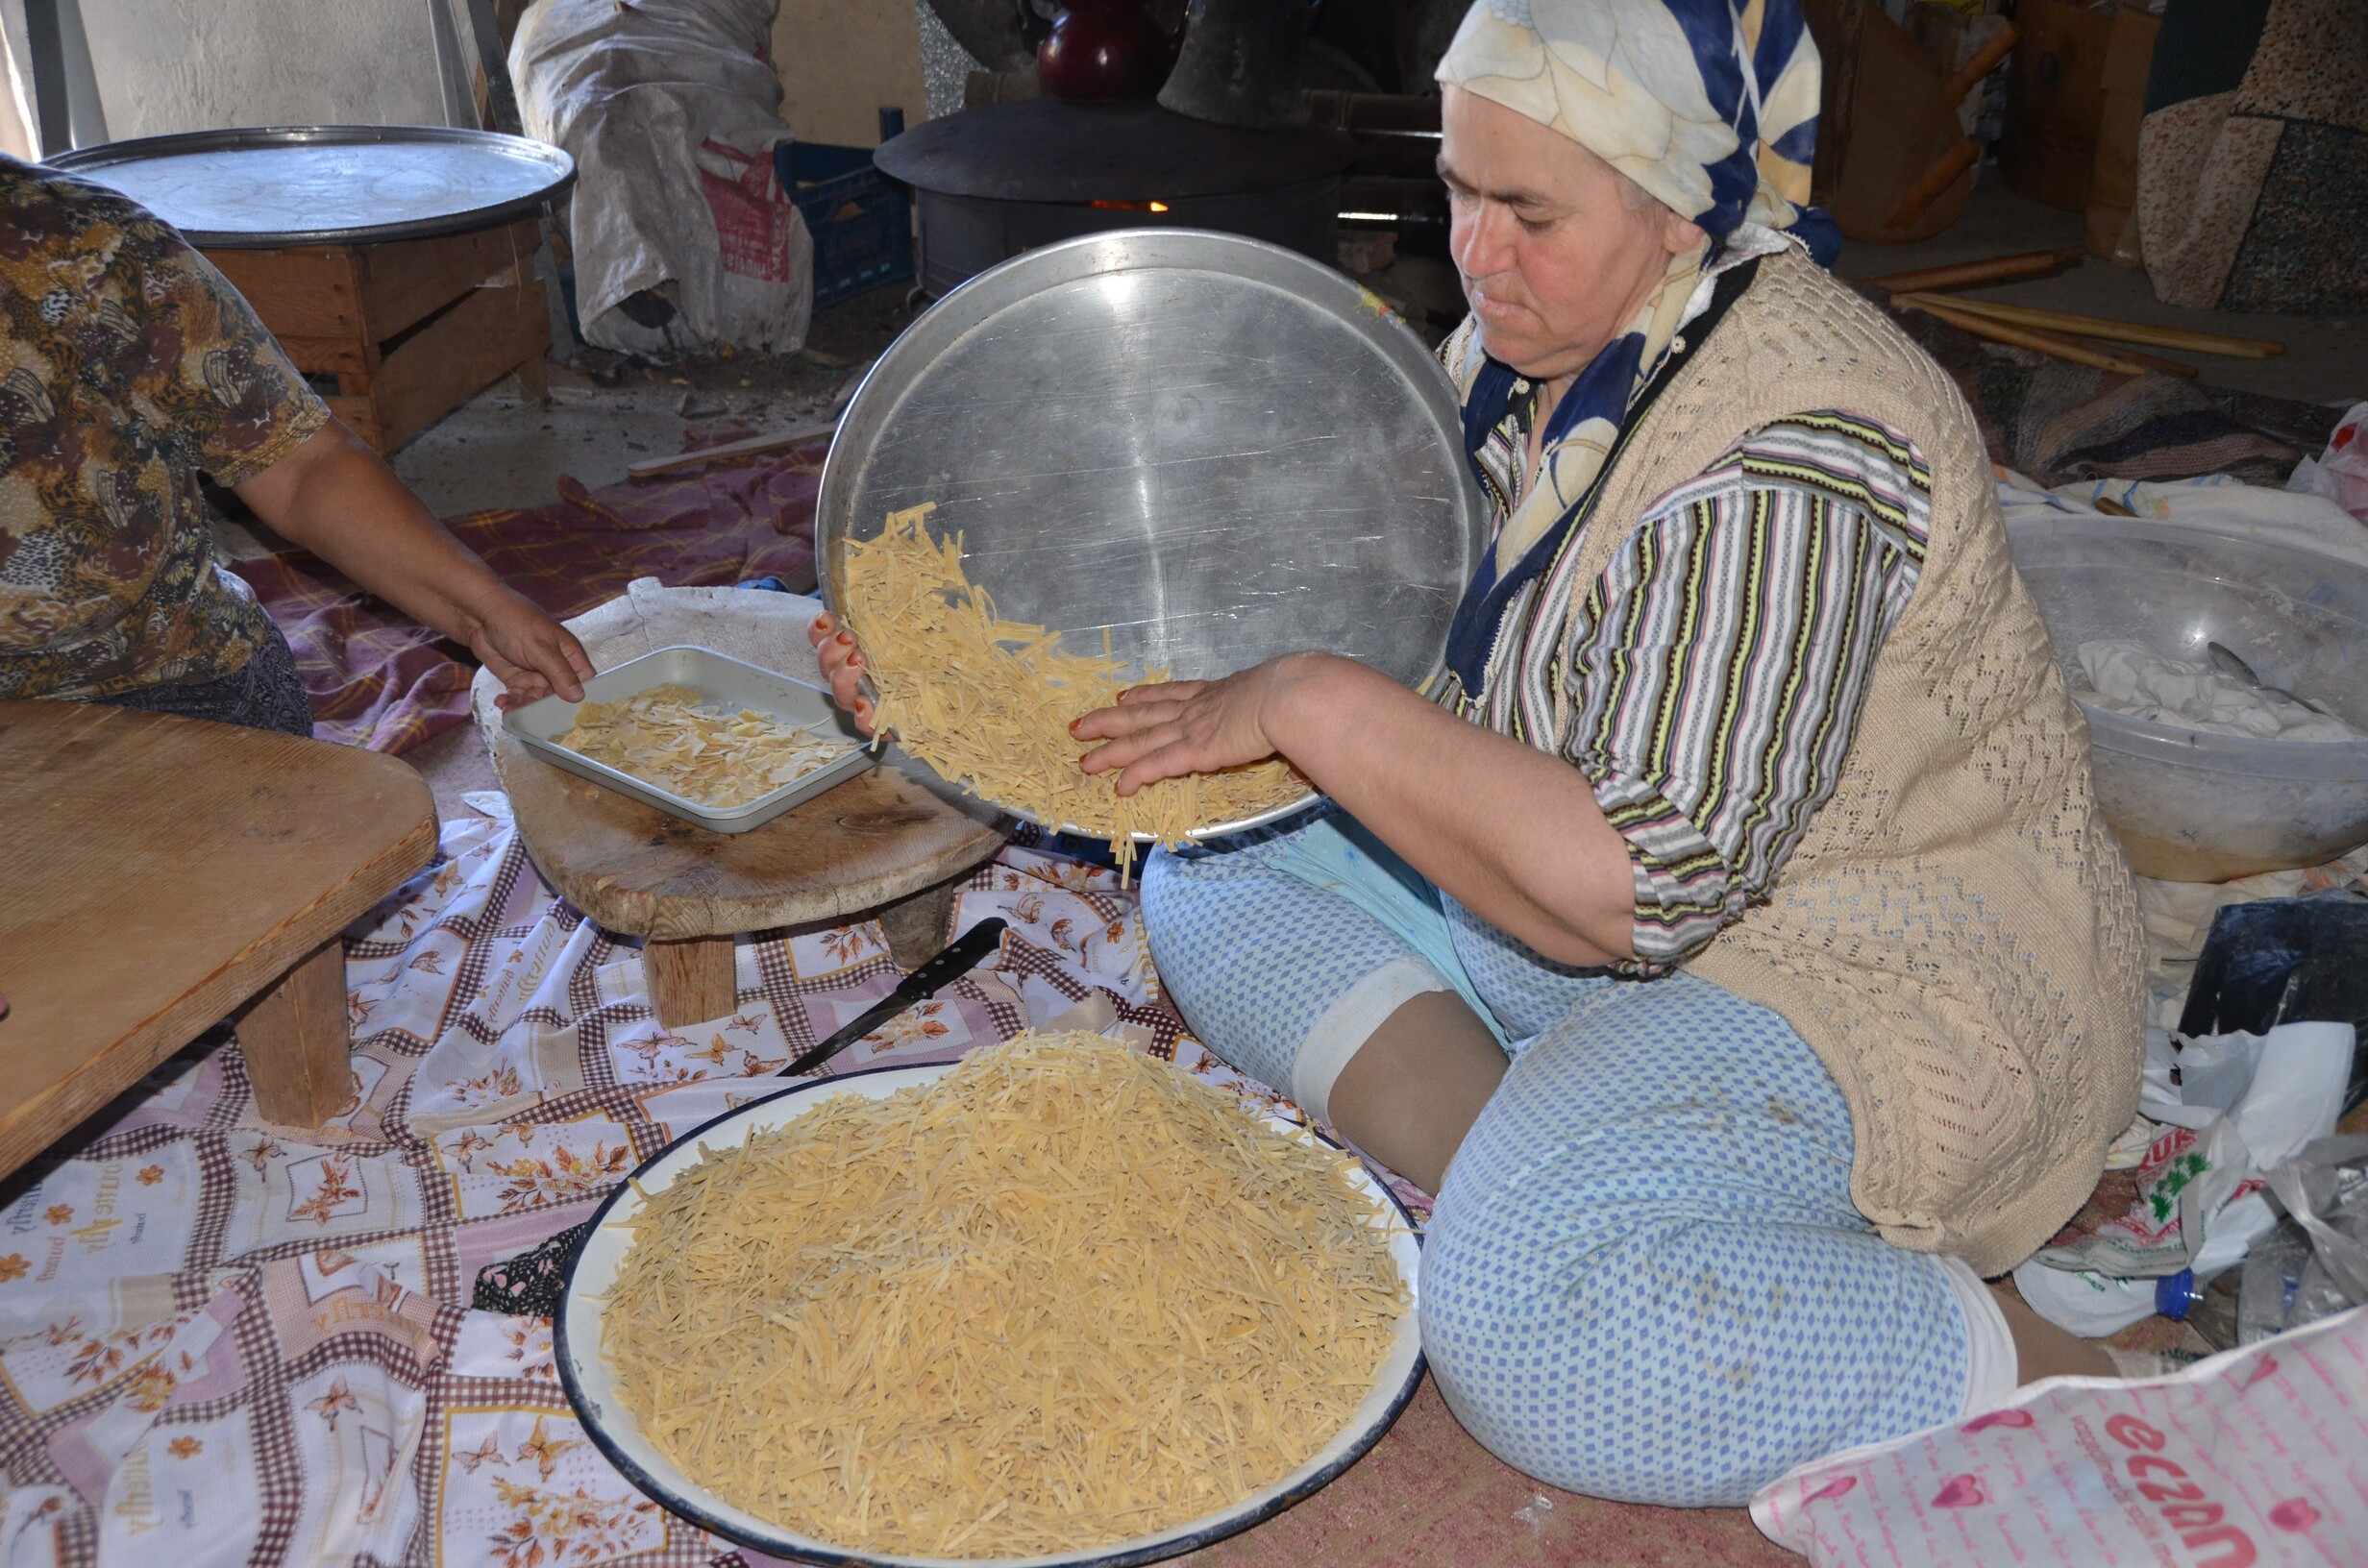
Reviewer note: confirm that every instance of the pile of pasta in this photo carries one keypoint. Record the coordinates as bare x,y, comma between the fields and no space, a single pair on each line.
1064,1296
988,703
667,736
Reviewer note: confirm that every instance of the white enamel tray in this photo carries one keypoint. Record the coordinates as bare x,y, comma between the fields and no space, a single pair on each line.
591,1388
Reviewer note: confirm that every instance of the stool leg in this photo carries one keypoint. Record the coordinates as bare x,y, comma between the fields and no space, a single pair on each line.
915,926
296,1041
690,981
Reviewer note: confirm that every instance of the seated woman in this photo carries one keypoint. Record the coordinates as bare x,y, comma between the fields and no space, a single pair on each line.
1733,945
133,367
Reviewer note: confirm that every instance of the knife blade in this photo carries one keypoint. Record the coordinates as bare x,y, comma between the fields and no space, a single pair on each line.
948,967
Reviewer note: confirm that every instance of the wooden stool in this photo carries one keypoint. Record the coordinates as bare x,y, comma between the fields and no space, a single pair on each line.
412,328
879,843
163,872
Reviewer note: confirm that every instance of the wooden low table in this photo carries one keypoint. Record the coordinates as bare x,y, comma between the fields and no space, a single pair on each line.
157,874
878,844
411,328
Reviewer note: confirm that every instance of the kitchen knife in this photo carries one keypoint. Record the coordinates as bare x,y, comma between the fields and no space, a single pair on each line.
948,967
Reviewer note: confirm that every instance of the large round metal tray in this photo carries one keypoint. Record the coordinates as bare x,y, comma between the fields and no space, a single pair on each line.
1212,447
590,1385
327,184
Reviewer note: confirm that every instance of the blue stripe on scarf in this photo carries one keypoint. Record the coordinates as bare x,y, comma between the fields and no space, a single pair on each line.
1602,391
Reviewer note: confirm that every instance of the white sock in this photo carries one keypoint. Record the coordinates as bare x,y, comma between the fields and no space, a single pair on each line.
1991,1368
1348,1023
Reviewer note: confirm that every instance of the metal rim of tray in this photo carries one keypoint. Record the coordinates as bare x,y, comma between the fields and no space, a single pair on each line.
905,363
558,167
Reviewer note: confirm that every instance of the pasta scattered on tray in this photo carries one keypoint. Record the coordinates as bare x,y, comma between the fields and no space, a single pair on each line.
1064,1296
666,736
988,703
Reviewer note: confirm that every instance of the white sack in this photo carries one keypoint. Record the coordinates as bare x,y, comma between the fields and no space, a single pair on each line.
2258,1455
669,109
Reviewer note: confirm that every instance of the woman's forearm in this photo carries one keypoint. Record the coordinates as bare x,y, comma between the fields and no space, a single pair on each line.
1514,834
337,498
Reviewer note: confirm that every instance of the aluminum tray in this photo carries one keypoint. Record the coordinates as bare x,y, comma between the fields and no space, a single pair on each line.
1212,447
719,679
263,188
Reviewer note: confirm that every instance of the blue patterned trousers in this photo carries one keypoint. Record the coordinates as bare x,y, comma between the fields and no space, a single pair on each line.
1645,1278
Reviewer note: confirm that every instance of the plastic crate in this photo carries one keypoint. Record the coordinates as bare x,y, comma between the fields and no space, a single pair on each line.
862,225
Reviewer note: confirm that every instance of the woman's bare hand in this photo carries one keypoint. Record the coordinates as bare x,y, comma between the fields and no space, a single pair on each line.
1192,727
843,667
533,655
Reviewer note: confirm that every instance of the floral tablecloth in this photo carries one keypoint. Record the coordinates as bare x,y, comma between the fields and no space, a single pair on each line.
224,1342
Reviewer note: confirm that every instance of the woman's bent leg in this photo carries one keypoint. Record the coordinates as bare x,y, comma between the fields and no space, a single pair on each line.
1284,980
1645,1279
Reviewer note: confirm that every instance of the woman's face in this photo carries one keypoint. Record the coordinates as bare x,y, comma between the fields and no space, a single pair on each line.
1554,258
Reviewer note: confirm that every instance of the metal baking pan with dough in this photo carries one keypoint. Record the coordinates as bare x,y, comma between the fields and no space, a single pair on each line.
727,682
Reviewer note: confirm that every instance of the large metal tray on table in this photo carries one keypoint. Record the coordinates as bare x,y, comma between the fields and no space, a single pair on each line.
1213,449
268,188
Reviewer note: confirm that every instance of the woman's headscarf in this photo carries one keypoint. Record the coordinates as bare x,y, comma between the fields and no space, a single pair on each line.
1709,104
1710,107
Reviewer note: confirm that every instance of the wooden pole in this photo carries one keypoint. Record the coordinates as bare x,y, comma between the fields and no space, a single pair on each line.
2025,337
2151,361
1996,269
1942,174
2119,331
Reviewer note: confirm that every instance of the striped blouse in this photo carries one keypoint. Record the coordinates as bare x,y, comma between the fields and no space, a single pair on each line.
1720,661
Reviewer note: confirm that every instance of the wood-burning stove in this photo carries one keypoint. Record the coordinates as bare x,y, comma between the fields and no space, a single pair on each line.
994,180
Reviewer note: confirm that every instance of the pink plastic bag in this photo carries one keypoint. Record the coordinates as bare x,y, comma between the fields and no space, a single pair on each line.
2260,1455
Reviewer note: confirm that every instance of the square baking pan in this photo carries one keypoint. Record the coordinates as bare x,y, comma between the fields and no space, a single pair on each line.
730,684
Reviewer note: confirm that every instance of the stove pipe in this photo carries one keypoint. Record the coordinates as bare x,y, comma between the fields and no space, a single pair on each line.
1240,64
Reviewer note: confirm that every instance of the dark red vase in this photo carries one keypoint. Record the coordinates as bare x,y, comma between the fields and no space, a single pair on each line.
1104,52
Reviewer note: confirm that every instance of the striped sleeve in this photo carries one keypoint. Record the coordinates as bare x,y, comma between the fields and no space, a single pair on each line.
1725,656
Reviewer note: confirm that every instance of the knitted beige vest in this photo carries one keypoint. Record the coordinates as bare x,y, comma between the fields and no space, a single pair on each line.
1956,935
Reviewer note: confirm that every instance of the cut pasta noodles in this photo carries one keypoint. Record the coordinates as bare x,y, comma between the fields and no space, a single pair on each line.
666,736
1064,1296
988,703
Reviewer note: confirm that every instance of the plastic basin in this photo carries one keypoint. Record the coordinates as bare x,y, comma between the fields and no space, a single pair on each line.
2189,805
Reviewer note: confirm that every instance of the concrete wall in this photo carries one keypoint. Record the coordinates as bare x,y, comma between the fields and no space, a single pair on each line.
841,60
166,65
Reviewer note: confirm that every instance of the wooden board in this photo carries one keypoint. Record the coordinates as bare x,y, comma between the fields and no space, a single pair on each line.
2111,229
1901,128
159,873
2055,102
298,293
877,838
369,293
442,365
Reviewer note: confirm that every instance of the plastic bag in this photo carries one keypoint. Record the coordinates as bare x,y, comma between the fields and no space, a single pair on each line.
2259,1455
2317,1263
2341,473
669,109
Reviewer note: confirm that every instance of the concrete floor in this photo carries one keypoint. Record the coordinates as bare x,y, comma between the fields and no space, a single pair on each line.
2326,358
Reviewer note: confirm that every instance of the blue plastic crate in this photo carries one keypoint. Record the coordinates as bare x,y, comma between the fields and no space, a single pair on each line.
862,225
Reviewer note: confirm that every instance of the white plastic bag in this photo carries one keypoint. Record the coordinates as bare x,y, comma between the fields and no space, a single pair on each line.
2258,1455
669,109
2341,473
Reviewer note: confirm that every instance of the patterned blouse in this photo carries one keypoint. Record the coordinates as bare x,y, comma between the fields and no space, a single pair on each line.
131,367
1724,656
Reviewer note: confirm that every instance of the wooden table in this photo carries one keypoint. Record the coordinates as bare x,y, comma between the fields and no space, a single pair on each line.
157,874
880,843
